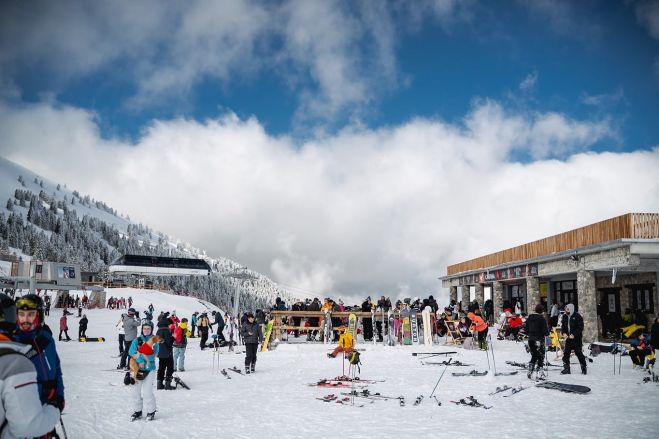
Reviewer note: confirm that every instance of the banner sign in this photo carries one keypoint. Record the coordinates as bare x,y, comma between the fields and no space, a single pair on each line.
519,272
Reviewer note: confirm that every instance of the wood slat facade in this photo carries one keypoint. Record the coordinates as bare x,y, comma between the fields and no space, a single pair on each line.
628,226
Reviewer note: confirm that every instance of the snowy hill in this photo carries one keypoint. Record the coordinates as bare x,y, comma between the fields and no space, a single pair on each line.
43,219
277,401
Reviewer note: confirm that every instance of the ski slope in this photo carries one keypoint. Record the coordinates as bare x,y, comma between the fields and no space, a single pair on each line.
276,401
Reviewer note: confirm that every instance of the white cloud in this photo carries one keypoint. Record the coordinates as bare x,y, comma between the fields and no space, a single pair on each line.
529,82
359,212
647,13
604,99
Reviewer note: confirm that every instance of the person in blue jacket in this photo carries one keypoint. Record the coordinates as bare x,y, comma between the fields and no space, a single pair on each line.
32,330
143,394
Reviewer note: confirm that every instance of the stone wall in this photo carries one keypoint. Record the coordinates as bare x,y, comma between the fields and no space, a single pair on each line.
497,298
453,293
480,295
532,293
588,304
465,297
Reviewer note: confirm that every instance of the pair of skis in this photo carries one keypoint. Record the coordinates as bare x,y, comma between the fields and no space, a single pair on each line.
470,401
473,373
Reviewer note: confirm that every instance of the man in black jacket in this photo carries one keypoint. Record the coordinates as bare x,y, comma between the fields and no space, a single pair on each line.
536,328
572,330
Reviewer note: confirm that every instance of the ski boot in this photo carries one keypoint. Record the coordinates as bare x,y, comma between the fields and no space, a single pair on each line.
160,385
584,369
151,416
330,356
168,385
540,374
253,367
566,370
529,374
247,370
135,416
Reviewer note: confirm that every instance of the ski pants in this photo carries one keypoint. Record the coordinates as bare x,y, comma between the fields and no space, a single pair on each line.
121,343
638,356
203,330
165,368
368,329
573,344
192,328
82,333
124,355
220,334
537,349
339,349
250,353
179,358
482,337
143,393
66,332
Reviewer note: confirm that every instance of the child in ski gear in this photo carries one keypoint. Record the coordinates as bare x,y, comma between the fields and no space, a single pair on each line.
252,336
346,342
537,330
572,330
82,327
22,414
143,394
165,360
32,330
180,344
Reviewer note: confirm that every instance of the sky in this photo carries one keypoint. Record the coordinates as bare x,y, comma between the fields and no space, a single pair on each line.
350,148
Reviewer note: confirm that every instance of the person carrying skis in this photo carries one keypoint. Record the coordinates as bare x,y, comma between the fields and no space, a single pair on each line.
22,414
33,331
143,394
537,330
252,336
572,330
82,327
346,342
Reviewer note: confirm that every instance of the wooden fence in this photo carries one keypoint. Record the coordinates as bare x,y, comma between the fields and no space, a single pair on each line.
630,226
278,316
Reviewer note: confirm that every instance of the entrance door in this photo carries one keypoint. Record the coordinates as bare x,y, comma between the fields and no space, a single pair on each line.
608,309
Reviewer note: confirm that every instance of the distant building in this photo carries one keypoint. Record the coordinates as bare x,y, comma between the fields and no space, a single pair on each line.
603,269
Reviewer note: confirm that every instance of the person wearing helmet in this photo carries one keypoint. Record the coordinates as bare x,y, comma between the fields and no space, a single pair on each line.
252,336
346,342
22,414
143,394
33,331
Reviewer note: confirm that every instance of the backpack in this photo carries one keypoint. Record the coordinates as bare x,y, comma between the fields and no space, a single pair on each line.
178,334
354,359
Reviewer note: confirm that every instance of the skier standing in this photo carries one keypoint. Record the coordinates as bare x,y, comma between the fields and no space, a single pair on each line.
537,330
143,389
130,324
21,412
572,330
33,331
120,327
165,360
202,325
219,321
193,323
64,327
252,336
479,326
82,327
180,344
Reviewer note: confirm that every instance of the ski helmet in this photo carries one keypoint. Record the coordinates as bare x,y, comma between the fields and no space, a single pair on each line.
30,302
148,323
7,314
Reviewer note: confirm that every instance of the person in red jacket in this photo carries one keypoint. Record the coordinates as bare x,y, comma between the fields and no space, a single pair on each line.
64,327
479,327
514,324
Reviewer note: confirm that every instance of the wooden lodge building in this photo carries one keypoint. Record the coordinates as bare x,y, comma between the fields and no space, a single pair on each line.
603,269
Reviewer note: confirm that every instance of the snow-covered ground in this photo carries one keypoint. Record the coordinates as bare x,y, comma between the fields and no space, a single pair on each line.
277,402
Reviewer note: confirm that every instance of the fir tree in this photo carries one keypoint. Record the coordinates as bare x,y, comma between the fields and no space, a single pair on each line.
10,205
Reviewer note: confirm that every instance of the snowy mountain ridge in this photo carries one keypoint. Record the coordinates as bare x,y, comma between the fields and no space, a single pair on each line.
41,218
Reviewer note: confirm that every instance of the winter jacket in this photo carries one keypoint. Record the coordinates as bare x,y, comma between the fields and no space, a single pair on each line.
182,330
654,335
193,320
477,323
167,341
21,407
152,358
63,325
346,341
575,325
536,327
515,322
251,333
260,317
219,320
83,323
130,327
46,362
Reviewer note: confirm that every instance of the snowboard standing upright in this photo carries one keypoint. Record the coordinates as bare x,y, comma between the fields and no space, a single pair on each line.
391,331
266,339
406,326
414,326
352,326
427,326
328,327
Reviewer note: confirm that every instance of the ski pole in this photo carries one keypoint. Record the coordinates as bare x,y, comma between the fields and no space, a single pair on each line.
62,424
440,378
493,360
487,355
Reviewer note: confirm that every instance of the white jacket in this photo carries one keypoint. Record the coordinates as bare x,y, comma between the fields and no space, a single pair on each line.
21,405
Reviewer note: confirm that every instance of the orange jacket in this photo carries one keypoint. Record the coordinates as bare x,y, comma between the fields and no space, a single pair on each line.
477,323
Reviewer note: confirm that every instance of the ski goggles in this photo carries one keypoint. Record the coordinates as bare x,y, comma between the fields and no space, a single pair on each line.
26,303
